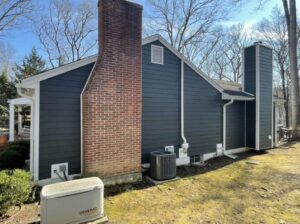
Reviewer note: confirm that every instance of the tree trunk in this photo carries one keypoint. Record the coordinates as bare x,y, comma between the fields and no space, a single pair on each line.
290,14
285,97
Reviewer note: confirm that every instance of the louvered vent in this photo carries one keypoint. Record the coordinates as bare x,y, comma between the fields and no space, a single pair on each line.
157,54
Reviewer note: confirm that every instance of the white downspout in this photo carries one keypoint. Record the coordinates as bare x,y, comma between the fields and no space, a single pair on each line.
185,144
224,129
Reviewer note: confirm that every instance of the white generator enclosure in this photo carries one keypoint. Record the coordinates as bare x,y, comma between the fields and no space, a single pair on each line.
75,201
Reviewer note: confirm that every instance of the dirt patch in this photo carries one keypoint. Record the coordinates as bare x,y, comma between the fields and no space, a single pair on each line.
28,213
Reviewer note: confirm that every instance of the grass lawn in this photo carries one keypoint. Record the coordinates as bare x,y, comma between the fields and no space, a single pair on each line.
222,192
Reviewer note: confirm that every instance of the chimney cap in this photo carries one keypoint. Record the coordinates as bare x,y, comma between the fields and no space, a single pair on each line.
258,42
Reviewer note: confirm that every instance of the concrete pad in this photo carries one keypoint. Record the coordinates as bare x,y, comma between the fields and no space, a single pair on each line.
99,221
157,182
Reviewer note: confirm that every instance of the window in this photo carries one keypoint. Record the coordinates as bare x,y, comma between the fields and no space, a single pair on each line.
157,54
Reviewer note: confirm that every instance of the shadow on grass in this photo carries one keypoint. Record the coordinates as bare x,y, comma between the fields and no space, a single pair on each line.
183,172
190,171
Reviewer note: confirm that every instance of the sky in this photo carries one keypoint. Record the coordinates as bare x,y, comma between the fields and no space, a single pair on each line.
22,40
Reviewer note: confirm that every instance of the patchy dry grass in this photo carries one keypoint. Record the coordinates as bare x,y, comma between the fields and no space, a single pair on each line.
223,192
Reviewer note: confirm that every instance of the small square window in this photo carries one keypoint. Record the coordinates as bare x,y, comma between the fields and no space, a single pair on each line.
157,54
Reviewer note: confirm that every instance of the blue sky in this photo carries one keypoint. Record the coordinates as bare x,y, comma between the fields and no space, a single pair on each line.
22,40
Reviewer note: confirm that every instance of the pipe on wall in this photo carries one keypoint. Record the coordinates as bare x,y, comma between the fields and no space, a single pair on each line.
185,144
224,123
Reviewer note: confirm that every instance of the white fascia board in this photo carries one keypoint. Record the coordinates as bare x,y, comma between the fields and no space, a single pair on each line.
30,82
241,98
159,38
20,101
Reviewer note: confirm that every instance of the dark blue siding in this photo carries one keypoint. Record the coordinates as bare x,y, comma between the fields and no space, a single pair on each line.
265,112
203,114
161,102
60,120
235,125
250,86
161,107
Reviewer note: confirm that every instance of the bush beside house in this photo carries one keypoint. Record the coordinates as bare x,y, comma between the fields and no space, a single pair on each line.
15,188
14,155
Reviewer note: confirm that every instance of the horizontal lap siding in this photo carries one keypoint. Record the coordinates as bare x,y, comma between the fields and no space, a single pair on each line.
203,114
265,120
60,120
235,125
250,87
161,102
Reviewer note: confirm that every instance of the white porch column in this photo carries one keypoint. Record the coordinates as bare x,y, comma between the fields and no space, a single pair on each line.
20,125
11,122
31,138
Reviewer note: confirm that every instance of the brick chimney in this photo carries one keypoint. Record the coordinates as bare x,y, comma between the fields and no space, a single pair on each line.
112,99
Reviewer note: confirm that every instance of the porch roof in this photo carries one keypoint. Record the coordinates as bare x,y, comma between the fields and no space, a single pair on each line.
19,101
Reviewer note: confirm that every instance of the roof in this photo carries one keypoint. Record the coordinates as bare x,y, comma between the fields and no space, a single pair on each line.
19,101
218,85
29,82
233,90
229,85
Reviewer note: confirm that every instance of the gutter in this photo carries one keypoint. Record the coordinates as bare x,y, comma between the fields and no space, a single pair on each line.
224,129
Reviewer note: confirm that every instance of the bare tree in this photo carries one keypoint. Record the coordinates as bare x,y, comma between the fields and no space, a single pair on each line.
291,21
236,38
187,24
226,57
6,56
68,32
11,11
274,33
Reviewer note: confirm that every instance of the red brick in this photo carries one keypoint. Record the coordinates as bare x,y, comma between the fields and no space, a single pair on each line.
112,101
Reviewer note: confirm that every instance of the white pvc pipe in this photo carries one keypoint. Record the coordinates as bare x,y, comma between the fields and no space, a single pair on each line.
185,144
224,123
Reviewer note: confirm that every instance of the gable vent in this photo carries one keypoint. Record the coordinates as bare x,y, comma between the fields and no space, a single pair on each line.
157,54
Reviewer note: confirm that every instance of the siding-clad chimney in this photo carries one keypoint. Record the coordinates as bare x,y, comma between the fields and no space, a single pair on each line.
258,80
113,96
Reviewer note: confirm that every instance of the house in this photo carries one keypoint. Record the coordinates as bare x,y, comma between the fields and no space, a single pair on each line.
104,114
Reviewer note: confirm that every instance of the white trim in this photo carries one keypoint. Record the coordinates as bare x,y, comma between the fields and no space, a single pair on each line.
224,123
81,119
156,37
31,159
153,46
257,96
243,70
272,106
29,82
226,96
11,122
20,101
36,130
52,181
